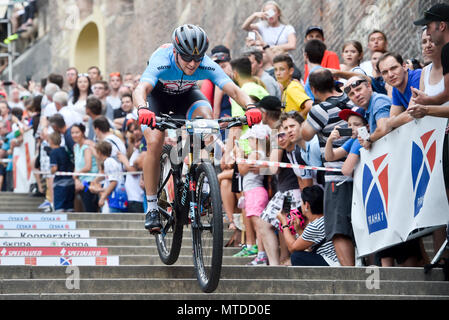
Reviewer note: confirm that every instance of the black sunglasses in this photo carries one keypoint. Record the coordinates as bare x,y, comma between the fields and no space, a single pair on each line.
354,85
187,58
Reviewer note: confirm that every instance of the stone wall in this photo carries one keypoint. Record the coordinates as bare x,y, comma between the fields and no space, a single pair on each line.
135,28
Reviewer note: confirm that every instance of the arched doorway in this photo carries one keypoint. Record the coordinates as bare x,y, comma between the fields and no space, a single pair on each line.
87,50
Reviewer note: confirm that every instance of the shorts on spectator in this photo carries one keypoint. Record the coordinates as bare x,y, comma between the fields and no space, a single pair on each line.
256,201
64,195
403,251
337,210
275,205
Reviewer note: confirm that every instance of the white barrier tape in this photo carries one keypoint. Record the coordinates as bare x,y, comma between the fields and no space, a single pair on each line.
260,163
73,174
5,160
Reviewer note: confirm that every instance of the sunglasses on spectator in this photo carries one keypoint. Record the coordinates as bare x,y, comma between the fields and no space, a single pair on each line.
187,58
282,135
220,57
115,74
83,75
354,85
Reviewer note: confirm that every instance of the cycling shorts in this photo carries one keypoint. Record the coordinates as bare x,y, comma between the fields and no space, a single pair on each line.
181,105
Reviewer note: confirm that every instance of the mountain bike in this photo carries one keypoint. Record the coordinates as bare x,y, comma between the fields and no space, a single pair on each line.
189,193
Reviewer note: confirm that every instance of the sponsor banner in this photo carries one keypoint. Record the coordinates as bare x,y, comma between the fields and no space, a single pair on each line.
20,242
22,163
60,261
45,234
54,252
38,225
399,186
32,217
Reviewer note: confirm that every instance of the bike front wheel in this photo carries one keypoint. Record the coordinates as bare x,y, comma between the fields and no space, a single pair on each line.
207,229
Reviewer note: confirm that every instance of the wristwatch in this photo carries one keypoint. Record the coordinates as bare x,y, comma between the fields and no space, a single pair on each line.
266,47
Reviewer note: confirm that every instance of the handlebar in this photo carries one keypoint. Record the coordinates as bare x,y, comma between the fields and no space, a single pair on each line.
167,122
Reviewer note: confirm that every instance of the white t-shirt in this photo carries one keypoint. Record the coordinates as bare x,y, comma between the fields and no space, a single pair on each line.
117,145
50,110
79,107
132,184
112,167
115,102
277,35
367,66
70,116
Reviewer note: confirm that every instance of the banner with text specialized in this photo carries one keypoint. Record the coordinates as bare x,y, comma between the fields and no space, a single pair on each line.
399,186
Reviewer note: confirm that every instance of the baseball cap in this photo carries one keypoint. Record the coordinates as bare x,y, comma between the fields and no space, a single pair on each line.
3,94
270,103
314,28
439,12
359,112
221,54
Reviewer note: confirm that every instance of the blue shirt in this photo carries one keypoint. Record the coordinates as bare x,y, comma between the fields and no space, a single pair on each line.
307,86
379,108
163,70
403,99
312,154
60,158
352,146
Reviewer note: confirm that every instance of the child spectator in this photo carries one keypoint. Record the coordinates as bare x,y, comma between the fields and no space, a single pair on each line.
112,170
255,193
63,186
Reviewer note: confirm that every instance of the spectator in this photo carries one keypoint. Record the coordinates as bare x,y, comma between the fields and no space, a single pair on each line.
436,19
432,80
352,57
50,109
115,83
5,114
94,111
330,59
377,107
85,162
351,149
294,98
3,155
271,108
114,179
57,79
63,186
103,132
311,248
82,90
220,102
257,64
287,187
71,117
255,193
120,115
94,74
272,30
58,125
132,184
314,51
377,42
395,73
71,75
100,91
15,101
338,189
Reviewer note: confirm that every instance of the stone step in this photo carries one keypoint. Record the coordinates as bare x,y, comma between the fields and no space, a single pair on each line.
228,272
278,286
214,297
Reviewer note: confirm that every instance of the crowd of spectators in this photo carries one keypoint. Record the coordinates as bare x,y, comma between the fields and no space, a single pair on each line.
85,124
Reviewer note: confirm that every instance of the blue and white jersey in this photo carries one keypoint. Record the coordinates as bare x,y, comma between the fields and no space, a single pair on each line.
163,72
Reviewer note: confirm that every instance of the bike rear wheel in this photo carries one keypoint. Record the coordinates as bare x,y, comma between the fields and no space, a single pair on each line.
207,229
169,241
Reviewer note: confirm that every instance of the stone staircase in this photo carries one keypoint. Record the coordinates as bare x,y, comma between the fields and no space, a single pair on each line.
131,269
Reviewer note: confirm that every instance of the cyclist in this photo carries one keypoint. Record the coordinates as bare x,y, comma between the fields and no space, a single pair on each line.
169,84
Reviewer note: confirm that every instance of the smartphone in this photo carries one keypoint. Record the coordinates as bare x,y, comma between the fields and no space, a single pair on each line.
287,205
252,35
345,132
271,13
363,133
7,83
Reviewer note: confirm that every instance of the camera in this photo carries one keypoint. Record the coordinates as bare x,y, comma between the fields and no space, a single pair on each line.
345,132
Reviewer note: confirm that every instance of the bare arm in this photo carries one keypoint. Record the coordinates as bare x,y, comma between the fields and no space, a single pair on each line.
420,97
398,117
248,25
290,45
141,93
308,132
350,164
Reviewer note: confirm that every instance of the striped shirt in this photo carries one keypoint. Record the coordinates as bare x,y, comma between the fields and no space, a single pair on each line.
314,232
324,118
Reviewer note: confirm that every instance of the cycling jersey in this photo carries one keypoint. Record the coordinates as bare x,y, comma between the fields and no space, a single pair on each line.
164,74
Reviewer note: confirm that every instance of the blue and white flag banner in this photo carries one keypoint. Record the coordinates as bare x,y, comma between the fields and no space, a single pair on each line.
399,186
